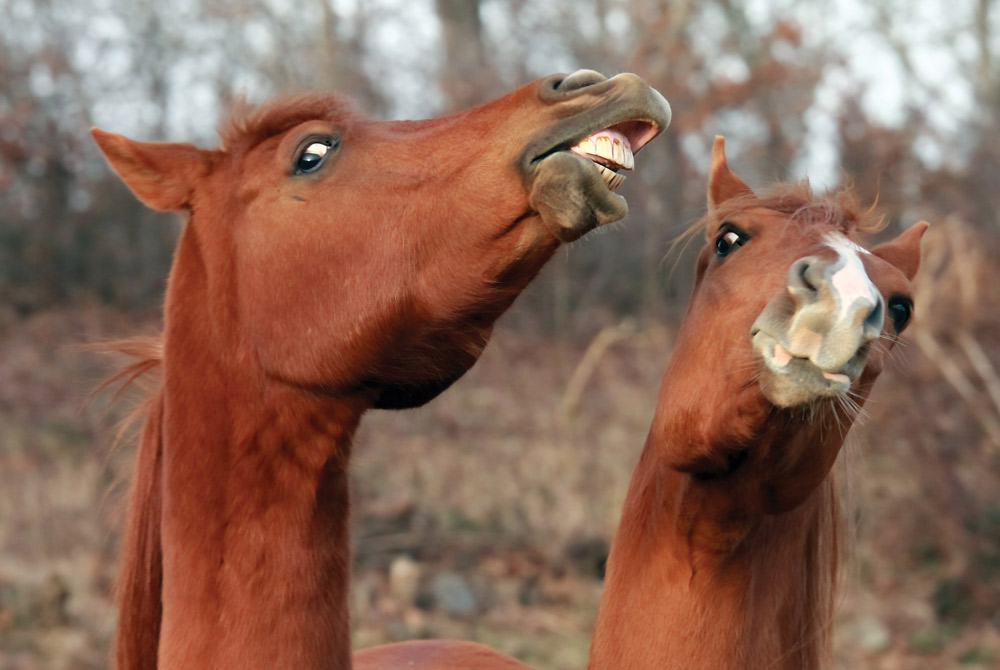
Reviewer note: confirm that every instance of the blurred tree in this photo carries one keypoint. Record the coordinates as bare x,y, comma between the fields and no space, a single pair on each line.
466,78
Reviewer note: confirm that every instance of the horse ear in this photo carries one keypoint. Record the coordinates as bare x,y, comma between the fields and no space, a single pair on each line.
904,251
161,174
722,183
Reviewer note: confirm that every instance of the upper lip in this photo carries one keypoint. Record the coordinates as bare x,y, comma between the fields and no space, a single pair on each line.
637,111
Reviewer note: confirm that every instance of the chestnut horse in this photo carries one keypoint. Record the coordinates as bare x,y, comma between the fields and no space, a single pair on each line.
726,553
329,265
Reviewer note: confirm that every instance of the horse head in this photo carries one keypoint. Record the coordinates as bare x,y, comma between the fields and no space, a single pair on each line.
791,319
727,550
348,256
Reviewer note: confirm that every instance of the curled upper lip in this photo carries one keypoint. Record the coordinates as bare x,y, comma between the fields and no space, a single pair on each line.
633,108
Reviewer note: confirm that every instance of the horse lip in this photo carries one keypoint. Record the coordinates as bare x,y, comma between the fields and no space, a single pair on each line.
827,382
636,109
572,194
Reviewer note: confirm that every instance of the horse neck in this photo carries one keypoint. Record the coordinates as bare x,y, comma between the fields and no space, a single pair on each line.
700,577
254,526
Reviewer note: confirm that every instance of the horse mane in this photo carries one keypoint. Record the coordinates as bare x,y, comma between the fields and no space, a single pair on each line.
140,568
248,125
839,207
824,546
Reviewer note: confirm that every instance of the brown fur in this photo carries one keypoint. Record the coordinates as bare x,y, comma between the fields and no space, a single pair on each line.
295,303
140,568
436,654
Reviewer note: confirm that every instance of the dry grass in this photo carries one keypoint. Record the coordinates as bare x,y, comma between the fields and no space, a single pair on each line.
485,514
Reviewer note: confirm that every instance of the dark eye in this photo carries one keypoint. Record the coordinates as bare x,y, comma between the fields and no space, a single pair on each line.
728,240
900,309
313,155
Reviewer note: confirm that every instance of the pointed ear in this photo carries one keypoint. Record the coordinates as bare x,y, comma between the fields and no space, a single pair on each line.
722,183
904,251
162,175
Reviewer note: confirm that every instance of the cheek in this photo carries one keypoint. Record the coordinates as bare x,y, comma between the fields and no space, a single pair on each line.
292,284
274,303
739,286
280,266
321,301
724,319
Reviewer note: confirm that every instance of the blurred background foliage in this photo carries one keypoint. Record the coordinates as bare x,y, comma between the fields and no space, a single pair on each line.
487,514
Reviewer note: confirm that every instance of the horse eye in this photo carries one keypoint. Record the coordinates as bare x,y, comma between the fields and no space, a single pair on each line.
900,309
313,156
728,241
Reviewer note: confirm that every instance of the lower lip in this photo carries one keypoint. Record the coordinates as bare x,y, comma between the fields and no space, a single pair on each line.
781,358
837,378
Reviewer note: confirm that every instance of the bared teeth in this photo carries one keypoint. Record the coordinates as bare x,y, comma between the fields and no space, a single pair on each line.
611,178
611,151
618,149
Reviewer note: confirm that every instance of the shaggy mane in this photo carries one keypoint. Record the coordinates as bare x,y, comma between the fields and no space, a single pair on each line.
141,368
839,207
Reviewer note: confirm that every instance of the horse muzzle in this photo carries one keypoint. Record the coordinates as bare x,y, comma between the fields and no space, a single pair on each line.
814,337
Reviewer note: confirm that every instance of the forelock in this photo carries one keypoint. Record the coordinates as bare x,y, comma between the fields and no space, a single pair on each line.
839,208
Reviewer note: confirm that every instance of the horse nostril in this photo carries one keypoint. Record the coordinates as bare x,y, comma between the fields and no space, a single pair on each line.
579,79
875,319
805,276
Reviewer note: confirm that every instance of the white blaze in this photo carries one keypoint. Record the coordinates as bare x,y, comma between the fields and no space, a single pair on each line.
850,282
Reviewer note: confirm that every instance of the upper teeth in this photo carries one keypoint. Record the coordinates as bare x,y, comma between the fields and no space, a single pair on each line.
611,151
